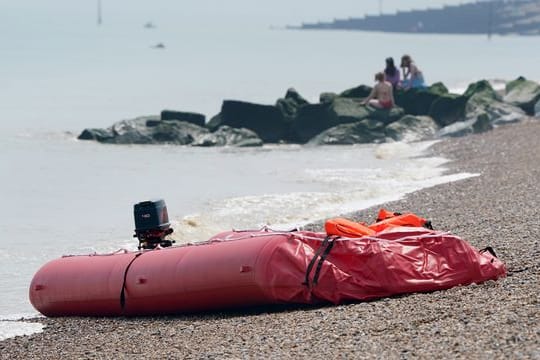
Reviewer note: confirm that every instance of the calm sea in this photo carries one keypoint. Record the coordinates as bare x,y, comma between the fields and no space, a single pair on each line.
61,73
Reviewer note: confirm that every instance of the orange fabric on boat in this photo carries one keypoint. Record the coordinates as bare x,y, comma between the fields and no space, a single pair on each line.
400,220
347,228
386,214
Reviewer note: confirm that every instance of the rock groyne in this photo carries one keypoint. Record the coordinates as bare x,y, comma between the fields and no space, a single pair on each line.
337,119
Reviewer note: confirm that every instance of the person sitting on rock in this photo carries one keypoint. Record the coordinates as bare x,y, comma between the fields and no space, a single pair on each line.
382,95
391,73
412,76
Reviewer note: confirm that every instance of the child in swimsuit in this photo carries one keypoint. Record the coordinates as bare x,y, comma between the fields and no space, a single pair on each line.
391,73
382,95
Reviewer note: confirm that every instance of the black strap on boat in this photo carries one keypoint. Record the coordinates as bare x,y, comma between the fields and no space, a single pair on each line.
312,262
321,261
122,293
490,250
321,254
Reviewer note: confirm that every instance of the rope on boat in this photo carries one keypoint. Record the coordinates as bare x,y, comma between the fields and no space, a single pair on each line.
123,291
265,232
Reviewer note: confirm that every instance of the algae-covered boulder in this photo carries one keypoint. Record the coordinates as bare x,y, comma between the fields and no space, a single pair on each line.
190,117
499,113
360,91
214,123
132,131
438,88
360,132
311,120
478,124
483,99
419,101
267,121
290,104
146,130
327,97
482,124
177,132
344,110
412,128
387,116
100,135
482,90
523,93
228,136
448,109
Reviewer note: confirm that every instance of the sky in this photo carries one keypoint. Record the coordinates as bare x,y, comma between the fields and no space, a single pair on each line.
204,12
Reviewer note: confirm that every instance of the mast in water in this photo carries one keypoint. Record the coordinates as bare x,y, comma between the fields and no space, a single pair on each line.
99,12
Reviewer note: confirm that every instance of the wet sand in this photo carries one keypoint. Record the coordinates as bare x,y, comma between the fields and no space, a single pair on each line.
494,320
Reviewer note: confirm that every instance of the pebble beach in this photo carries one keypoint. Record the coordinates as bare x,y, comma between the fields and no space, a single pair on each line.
494,320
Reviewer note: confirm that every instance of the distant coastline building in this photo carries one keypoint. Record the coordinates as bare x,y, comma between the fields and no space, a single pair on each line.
502,17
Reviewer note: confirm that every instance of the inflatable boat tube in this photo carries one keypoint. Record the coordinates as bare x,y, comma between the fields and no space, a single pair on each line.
238,269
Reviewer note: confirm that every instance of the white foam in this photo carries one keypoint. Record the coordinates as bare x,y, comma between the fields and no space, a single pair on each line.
351,190
12,328
402,150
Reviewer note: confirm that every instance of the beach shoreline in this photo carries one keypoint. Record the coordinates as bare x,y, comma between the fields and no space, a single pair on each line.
492,320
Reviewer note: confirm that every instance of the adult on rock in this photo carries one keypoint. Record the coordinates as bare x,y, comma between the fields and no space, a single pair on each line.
382,95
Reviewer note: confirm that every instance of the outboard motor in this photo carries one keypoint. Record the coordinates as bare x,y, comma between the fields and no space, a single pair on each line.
152,224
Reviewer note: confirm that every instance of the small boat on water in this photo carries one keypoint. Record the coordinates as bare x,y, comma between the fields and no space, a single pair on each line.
248,268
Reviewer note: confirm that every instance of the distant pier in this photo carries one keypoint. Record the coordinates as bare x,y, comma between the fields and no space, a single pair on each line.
497,17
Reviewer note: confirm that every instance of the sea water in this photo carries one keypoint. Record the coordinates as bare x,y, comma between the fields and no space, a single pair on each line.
64,196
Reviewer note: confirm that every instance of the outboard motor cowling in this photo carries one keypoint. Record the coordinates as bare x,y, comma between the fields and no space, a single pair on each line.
152,224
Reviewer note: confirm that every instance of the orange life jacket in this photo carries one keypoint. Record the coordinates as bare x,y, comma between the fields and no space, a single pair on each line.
347,228
386,219
400,220
386,214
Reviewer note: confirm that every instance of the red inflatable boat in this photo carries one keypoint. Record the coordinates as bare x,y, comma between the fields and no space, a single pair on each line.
244,268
